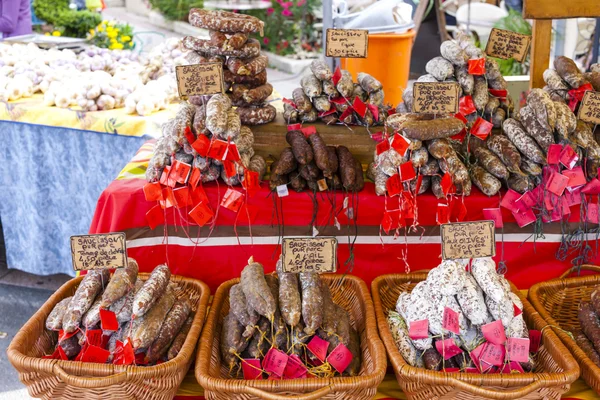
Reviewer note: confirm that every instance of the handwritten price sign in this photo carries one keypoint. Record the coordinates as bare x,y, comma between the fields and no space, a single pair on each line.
589,111
309,254
347,43
435,98
468,240
98,251
506,44
200,79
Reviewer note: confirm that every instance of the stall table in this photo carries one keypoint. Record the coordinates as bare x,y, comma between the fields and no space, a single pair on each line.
56,163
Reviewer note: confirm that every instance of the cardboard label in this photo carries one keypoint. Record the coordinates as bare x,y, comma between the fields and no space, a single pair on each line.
322,184
383,146
506,44
494,332
407,172
450,320
468,240
568,157
347,43
200,79
309,254
419,329
393,185
282,191
435,98
105,250
524,217
589,110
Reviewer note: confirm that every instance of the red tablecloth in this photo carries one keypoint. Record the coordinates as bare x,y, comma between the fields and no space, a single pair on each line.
216,258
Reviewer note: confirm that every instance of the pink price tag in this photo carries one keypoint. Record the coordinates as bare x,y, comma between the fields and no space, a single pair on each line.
512,367
557,183
568,157
494,214
524,218
516,310
232,200
554,154
419,329
494,332
450,320
472,370
475,354
573,197
535,339
526,201
447,348
340,358
451,370
592,213
592,187
318,347
251,368
493,354
275,362
518,349
295,368
509,199
576,177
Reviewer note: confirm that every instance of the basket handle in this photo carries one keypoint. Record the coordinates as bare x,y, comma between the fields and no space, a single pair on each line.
317,394
586,267
500,394
89,383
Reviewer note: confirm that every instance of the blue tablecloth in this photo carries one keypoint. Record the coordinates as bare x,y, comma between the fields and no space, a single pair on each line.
50,180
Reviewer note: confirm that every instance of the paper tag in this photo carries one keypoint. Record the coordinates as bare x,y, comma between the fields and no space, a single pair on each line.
481,128
374,111
322,184
383,146
199,196
232,200
155,216
294,368
153,191
535,340
494,332
182,197
294,127
251,368
218,149
250,182
443,214
109,320
229,168
105,250
309,254
509,199
200,79
576,177
181,171
518,349
494,214
419,329
554,154
447,348
201,145
589,110
466,105
477,66
474,354
568,157
557,183
524,218
512,367
446,184
275,361
407,172
450,320
492,354
347,43
592,187
526,201
435,97
468,240
233,154
340,358
400,144
359,106
124,354
318,347
501,94
282,191
62,335
95,354
573,197
289,102
393,185
309,130
195,178
516,310
506,44
337,75
94,337
592,213
201,214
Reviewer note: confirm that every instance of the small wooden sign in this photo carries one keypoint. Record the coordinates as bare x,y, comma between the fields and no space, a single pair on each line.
309,254
347,43
106,250
506,44
468,240
589,110
435,98
200,79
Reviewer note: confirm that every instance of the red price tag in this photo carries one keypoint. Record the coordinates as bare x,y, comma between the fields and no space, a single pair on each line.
383,146
518,349
526,201
318,347
450,320
189,135
294,368
251,368
309,130
447,348
275,362
460,137
153,191
477,66
495,215
400,144
218,149
195,178
123,354
568,157
512,367
592,187
501,94
573,197
447,185
250,182
108,320
393,185
419,329
229,168
155,216
466,105
181,171
592,213
94,337
374,111
557,183
554,154
201,145
576,177
337,75
95,354
290,102
494,332
345,114
509,200
493,354
294,127
359,106
201,214
232,200
516,310
182,197
340,358
443,214
407,172
524,218
481,128
535,338
232,153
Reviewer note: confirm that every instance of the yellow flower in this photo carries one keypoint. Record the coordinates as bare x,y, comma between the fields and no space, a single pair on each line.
101,28
92,32
56,33
116,46
125,39
47,34
111,34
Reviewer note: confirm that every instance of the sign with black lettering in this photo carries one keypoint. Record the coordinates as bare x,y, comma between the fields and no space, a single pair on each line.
468,240
200,79
106,250
506,44
347,43
309,254
589,110
435,98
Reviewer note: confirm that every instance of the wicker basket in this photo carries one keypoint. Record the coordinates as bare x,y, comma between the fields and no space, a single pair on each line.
59,379
555,368
349,292
557,302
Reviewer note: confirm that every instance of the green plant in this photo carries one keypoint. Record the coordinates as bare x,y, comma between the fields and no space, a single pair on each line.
289,26
112,35
69,22
176,10
513,22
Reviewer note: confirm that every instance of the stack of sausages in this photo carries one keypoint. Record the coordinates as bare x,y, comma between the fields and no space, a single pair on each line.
244,67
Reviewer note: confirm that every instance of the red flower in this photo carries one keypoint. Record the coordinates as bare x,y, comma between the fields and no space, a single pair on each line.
286,13
266,41
270,10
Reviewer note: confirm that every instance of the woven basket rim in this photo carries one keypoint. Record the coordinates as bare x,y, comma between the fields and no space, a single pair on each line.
37,322
561,284
372,379
401,367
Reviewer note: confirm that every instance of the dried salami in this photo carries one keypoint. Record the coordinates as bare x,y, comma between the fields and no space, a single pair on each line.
502,147
179,340
151,291
250,66
145,329
256,289
526,145
250,49
92,284
121,282
55,318
312,301
225,21
257,115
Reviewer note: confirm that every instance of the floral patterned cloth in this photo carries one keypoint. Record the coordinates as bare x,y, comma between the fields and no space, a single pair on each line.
51,178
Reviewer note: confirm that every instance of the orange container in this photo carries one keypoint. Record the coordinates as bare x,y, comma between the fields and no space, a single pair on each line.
388,60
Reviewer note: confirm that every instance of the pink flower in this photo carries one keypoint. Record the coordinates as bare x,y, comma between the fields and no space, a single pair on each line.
287,4
270,10
266,41
286,13
301,3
